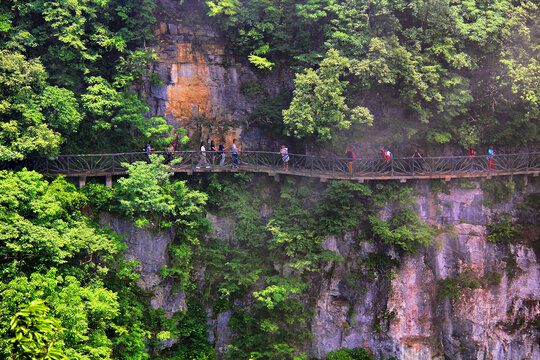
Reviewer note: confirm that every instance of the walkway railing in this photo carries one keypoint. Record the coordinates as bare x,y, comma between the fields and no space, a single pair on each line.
306,165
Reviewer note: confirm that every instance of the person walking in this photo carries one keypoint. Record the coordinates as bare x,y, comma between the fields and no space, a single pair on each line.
387,154
350,158
221,153
285,157
213,152
203,157
235,150
471,152
491,154
148,149
417,160
170,152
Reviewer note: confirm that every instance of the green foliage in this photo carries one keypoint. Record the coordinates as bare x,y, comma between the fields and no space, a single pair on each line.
148,197
115,115
23,129
268,113
260,62
267,32
252,88
521,72
318,107
190,328
270,333
35,333
279,291
41,223
404,229
230,272
99,196
58,59
60,108
468,69
343,204
349,354
272,256
143,194
493,278
512,268
55,254
496,191
379,264
503,230
452,287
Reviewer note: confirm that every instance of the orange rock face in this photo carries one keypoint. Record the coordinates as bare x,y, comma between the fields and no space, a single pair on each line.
203,84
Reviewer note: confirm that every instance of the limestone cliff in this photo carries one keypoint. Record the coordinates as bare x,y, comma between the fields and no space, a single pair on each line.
403,315
406,317
204,85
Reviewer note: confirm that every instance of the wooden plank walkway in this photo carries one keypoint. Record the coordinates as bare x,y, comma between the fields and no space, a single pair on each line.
403,169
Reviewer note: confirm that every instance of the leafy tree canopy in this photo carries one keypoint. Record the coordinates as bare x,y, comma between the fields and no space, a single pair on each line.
318,107
462,72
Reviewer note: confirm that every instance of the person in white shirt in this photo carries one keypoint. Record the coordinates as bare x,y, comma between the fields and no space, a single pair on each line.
203,155
235,150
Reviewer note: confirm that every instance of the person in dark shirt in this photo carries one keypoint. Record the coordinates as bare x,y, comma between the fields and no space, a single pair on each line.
221,152
417,162
213,152
350,157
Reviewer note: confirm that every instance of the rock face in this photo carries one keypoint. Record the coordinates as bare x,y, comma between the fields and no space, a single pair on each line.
204,86
407,318
401,315
149,248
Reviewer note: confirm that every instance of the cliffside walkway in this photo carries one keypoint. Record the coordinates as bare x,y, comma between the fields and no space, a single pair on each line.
325,168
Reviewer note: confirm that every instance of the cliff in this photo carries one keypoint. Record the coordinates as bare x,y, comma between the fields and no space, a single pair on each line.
205,89
463,297
497,320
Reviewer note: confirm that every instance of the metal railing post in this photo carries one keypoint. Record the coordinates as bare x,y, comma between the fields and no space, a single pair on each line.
91,164
311,170
113,163
191,160
391,167
68,163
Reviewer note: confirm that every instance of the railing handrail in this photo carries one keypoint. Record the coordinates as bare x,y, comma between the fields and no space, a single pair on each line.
165,152
302,164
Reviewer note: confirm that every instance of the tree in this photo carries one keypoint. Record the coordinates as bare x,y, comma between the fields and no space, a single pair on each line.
59,106
148,196
52,251
35,334
22,125
318,108
144,195
116,117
